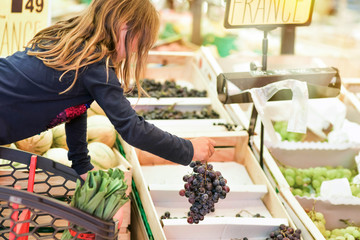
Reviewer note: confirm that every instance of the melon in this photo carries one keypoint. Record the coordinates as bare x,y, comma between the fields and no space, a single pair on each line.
59,137
94,107
102,156
100,129
37,144
59,155
90,112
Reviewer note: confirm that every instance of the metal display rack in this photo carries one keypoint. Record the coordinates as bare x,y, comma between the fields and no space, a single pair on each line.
34,197
321,82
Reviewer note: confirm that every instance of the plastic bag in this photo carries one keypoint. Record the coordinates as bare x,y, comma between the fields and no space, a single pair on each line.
298,117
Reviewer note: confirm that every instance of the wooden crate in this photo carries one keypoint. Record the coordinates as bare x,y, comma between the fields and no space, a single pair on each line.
231,148
189,69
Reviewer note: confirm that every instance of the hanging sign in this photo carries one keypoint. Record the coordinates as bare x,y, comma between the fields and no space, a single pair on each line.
272,13
20,20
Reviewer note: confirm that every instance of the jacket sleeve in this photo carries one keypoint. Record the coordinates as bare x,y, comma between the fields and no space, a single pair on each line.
133,128
77,143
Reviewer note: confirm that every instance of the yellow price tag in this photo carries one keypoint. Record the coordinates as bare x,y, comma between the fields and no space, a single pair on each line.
20,20
257,13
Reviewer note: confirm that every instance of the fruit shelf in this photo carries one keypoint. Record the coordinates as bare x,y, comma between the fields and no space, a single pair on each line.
158,182
193,70
334,209
45,212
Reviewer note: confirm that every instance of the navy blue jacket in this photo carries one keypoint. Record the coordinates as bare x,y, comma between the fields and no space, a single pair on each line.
30,100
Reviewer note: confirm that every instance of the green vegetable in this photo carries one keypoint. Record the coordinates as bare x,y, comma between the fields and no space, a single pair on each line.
101,195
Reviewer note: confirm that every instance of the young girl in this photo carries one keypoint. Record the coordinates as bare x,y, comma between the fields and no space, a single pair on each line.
72,63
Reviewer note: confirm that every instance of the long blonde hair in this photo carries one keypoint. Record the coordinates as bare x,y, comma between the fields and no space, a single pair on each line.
85,39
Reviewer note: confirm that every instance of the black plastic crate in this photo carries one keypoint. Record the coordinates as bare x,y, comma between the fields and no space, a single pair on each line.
48,205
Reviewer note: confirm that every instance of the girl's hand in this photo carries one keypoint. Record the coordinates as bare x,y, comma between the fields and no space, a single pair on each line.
203,148
84,176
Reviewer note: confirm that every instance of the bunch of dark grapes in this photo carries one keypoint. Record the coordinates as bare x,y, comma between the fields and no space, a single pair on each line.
203,188
285,233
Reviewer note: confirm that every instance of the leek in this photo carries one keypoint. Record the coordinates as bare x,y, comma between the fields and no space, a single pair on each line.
101,195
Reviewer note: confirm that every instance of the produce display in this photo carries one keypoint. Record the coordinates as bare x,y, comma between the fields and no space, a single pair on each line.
59,137
228,126
172,113
101,137
352,232
166,215
169,88
102,195
37,144
58,155
285,233
203,188
100,129
245,213
307,182
102,156
282,233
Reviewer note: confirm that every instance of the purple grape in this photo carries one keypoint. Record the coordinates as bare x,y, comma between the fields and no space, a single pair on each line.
203,188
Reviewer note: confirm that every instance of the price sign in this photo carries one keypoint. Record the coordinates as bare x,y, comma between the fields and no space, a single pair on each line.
272,13
20,20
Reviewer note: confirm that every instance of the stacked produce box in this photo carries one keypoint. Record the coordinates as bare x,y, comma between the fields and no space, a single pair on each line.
249,206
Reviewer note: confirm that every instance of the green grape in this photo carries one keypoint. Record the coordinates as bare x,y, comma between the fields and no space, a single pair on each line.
356,233
321,178
347,173
331,174
354,189
306,194
319,221
339,173
307,180
316,183
327,234
348,236
336,232
308,189
350,229
320,218
297,192
290,172
310,172
299,180
290,180
340,238
307,173
321,227
320,171
281,128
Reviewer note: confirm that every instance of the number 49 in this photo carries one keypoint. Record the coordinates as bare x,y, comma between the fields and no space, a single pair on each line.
39,5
